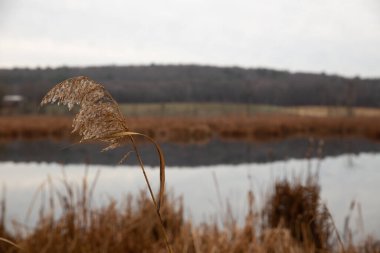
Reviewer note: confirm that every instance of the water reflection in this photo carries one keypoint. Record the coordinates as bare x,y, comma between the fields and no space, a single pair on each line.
214,152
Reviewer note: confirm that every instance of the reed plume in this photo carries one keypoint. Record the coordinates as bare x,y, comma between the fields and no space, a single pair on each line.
99,118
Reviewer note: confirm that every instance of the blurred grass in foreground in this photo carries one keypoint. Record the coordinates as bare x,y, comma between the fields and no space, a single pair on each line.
292,220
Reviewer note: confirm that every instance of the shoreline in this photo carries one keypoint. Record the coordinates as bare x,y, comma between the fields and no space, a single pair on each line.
201,129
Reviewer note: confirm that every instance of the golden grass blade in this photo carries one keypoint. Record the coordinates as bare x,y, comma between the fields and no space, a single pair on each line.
335,229
10,242
157,206
162,161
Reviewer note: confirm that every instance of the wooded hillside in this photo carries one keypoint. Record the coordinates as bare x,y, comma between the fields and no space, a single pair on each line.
193,83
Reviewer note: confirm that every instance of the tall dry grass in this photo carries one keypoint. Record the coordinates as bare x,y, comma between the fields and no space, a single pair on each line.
297,208
200,129
293,220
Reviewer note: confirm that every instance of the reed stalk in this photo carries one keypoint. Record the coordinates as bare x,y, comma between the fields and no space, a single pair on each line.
99,118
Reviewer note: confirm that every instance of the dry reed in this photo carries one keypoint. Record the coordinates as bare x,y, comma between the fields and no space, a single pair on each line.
200,129
131,225
99,118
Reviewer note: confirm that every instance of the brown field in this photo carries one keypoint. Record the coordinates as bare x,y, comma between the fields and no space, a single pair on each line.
34,127
198,129
229,109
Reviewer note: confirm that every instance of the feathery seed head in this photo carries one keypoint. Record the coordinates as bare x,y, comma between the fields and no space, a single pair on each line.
99,116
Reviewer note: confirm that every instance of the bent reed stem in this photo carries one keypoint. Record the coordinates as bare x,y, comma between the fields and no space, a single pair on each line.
99,118
10,243
160,154
157,207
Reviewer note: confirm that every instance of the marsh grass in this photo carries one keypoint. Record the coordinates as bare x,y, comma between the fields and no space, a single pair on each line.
131,225
202,129
297,208
292,221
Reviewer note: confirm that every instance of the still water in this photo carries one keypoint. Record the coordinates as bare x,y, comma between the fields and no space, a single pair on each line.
349,170
213,152
343,179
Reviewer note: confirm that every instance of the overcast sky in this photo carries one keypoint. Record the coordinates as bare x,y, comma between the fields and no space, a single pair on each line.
333,36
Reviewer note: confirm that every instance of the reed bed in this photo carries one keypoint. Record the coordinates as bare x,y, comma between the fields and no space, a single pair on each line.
293,220
201,129
34,127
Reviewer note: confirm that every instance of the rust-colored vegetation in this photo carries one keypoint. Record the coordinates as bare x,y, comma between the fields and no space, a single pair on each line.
201,129
34,127
293,220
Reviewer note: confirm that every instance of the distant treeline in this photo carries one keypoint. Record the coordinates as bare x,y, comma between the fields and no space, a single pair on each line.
194,83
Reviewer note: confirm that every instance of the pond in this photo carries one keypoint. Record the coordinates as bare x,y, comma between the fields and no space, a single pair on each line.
213,152
343,179
208,176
